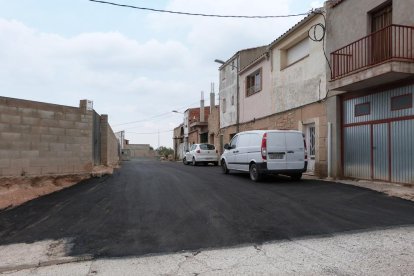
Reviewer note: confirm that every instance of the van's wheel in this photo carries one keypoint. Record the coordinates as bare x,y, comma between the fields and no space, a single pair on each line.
255,175
194,163
224,167
296,176
185,161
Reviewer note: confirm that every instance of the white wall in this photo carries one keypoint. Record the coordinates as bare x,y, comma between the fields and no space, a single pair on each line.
303,82
227,89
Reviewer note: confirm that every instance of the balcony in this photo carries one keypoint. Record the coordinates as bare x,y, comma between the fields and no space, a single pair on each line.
381,57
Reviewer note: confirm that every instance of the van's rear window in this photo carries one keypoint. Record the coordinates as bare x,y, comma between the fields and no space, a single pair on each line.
207,147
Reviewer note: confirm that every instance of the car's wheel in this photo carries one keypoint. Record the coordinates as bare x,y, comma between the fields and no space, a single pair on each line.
224,167
255,175
296,176
194,163
185,161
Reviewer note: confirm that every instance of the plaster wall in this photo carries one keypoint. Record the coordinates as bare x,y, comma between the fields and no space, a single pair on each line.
259,104
350,20
300,83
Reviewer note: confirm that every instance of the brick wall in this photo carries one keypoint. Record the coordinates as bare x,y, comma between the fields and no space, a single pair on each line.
44,139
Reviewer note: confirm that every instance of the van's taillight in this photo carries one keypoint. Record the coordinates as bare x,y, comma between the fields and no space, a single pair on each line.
198,151
264,146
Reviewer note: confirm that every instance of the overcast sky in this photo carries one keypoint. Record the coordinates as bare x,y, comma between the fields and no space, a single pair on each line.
136,66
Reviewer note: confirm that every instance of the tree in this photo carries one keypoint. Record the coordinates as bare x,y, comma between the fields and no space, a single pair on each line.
164,151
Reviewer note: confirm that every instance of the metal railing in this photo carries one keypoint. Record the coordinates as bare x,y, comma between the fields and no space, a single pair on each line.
394,42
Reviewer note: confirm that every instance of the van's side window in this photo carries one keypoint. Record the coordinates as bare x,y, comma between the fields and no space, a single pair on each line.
233,142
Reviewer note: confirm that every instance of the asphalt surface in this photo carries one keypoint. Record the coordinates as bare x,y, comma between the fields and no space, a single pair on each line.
158,207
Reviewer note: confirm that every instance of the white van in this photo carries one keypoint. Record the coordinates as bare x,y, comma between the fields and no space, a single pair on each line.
261,152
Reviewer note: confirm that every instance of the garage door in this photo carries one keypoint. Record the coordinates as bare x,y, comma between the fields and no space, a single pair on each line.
378,131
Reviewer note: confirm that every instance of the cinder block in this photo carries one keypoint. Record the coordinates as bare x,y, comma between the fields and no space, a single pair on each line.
6,145
19,163
46,114
66,169
11,119
21,145
73,117
30,121
19,128
5,127
40,146
80,125
9,154
32,171
73,148
49,123
29,112
56,131
4,163
48,138
10,136
10,110
49,170
40,130
66,124
11,172
72,132
31,154
56,147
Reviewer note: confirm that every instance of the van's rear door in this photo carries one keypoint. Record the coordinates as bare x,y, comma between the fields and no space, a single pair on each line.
295,151
276,151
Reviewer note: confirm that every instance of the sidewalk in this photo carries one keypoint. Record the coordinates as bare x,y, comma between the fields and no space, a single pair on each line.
391,189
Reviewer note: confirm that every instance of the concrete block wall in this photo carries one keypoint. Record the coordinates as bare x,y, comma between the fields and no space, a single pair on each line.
110,150
42,139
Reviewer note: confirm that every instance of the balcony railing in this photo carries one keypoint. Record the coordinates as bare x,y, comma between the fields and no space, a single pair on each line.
394,42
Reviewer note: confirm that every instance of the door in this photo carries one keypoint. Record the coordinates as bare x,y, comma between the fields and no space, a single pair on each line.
310,139
380,151
243,148
276,151
231,154
295,151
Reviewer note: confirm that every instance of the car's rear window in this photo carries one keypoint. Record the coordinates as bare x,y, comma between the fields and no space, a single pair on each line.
207,147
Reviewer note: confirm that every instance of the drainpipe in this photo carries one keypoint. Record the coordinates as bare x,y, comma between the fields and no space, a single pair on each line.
329,150
202,117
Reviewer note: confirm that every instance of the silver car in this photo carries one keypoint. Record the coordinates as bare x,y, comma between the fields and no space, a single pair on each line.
201,154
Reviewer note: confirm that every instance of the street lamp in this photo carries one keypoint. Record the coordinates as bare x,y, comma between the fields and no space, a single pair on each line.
237,91
175,111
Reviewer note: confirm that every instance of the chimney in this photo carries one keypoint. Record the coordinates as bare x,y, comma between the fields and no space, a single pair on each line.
212,98
202,107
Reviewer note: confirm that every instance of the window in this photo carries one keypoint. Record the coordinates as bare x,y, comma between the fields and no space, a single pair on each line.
223,107
297,52
402,102
232,100
362,109
233,142
254,82
207,147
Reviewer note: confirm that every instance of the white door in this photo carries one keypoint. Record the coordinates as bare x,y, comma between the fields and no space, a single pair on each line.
276,151
295,153
310,137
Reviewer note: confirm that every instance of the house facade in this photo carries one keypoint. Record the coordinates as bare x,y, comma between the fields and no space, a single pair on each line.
370,102
284,87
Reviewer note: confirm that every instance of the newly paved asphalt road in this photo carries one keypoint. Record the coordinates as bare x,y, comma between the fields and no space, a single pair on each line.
157,207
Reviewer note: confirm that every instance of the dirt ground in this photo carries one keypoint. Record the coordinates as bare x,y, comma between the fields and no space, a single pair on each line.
17,190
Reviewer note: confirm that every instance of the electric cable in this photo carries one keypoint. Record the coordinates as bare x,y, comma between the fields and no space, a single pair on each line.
199,14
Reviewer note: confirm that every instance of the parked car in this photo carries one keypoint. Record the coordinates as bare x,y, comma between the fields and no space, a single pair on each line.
262,152
201,154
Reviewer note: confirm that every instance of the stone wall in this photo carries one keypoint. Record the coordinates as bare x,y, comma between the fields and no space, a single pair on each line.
45,139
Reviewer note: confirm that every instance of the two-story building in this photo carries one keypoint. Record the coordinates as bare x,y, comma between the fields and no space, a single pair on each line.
370,102
284,87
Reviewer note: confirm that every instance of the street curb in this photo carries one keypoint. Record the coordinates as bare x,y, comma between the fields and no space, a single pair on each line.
46,263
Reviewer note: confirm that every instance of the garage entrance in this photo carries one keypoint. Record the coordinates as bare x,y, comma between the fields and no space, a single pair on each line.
378,136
